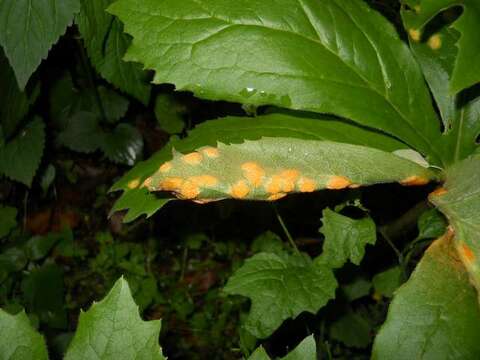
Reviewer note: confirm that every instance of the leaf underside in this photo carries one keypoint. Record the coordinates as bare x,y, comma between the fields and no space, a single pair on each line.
435,315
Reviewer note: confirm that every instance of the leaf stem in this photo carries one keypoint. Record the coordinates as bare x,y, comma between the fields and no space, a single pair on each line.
285,230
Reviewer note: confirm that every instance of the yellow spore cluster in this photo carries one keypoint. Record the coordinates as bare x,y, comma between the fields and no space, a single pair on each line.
253,172
133,184
415,34
194,158
414,181
187,188
338,182
306,184
210,152
435,42
284,182
165,167
240,190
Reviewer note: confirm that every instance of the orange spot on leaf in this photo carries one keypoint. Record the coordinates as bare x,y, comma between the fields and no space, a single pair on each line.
467,253
171,184
193,158
204,180
188,190
306,184
338,182
415,34
134,184
253,173
240,190
438,192
210,152
165,167
414,181
147,183
274,185
289,177
276,196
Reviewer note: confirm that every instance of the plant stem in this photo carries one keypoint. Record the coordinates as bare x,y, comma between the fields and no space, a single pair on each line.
285,230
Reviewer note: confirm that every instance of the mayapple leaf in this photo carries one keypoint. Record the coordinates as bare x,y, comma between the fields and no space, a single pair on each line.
466,71
28,29
19,339
345,239
113,330
332,56
20,157
280,286
306,350
435,315
106,44
459,200
236,130
271,168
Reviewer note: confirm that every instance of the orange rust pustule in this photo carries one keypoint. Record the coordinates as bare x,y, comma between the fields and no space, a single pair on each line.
289,177
274,185
240,190
253,172
204,180
467,253
147,183
276,196
194,158
438,192
338,183
133,184
165,167
171,184
188,190
211,152
414,181
306,184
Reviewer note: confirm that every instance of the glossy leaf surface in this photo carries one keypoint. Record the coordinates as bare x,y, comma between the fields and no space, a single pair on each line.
337,57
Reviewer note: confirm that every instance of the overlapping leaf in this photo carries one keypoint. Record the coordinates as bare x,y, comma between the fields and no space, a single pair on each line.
106,44
459,200
466,71
336,57
235,130
113,330
306,350
29,28
435,315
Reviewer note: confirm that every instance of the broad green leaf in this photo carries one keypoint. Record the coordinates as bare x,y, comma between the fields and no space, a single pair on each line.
459,200
333,56
270,168
306,350
124,145
352,329
435,315
20,157
8,219
112,329
235,130
466,71
170,113
106,44
14,104
431,224
357,288
114,105
345,239
460,113
19,340
82,133
386,282
28,29
280,287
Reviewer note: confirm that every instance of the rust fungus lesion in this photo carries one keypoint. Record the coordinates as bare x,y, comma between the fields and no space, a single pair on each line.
171,184
188,190
133,184
435,42
414,180
210,152
239,190
415,34
148,183
338,183
440,191
467,253
253,172
276,196
165,167
204,180
193,158
306,185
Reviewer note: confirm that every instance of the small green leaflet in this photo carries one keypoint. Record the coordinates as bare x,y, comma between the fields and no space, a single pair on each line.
20,157
19,339
281,286
466,71
236,130
8,219
435,315
333,56
459,200
306,350
113,330
270,168
28,29
345,239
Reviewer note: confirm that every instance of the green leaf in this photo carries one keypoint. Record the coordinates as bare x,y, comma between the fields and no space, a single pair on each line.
28,29
386,282
459,200
114,105
466,71
106,44
352,330
357,288
124,145
235,130
306,350
460,113
14,104
20,157
334,56
8,219
112,329
435,315
170,113
431,224
19,340
345,239
82,133
280,287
